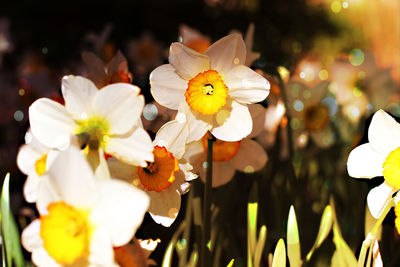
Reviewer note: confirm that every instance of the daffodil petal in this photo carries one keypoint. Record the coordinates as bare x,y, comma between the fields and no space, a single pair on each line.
26,158
31,187
237,126
135,149
222,173
246,86
101,249
41,258
167,87
120,105
173,136
250,158
121,170
377,198
227,53
364,162
78,93
198,126
30,237
165,205
51,123
187,62
71,178
317,92
120,209
95,69
258,114
384,133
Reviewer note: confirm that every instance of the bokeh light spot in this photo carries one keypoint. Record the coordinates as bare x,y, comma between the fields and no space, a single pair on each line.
18,115
150,112
356,57
295,123
249,169
323,75
332,105
307,94
336,6
298,105
21,92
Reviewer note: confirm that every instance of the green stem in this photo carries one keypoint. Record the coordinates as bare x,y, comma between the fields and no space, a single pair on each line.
207,202
372,233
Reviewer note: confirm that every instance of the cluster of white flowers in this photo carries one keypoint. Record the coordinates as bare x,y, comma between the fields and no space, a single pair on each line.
93,170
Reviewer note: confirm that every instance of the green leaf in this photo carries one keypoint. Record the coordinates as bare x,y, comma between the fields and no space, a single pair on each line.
230,264
293,241
262,236
324,229
279,255
9,230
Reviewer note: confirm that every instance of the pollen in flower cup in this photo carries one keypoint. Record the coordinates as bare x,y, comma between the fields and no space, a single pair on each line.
379,157
212,89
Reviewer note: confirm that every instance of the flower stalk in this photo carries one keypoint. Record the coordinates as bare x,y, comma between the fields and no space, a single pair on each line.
207,202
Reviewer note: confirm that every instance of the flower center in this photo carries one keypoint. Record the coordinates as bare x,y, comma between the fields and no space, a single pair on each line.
222,150
391,169
316,117
40,165
93,132
206,93
160,174
65,232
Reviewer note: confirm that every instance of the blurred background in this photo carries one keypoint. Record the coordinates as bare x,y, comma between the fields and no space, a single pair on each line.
352,44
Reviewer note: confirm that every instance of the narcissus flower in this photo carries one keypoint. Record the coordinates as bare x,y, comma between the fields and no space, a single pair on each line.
212,89
245,155
166,178
311,113
33,161
106,119
101,74
379,157
81,218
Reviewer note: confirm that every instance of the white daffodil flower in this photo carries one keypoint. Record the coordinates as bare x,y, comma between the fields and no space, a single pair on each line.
33,160
246,155
311,112
108,119
379,157
166,178
211,89
81,218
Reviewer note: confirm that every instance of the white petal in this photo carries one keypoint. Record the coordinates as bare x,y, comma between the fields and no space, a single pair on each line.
250,158
165,205
227,53
246,86
46,194
237,126
31,187
377,199
364,162
26,159
167,88
222,173
173,136
78,93
51,123
384,133
120,105
135,149
72,178
198,124
120,209
187,62
258,114
95,69
30,237
101,248
40,257
193,149
121,170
